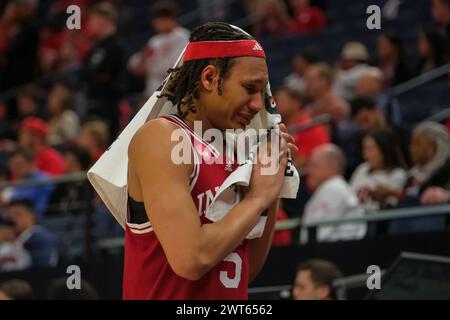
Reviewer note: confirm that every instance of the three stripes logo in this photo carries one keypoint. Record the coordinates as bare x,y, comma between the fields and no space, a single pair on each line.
257,47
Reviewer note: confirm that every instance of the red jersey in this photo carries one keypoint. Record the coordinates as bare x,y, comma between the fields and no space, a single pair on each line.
147,273
311,138
50,161
308,20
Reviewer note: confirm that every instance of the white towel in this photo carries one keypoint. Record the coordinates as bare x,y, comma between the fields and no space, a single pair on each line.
109,174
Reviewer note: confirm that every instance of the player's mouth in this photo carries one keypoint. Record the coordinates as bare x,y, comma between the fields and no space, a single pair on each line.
244,118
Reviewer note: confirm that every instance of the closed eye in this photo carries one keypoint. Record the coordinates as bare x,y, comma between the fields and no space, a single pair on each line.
252,89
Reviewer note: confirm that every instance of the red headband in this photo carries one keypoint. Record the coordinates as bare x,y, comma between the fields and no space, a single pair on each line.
222,49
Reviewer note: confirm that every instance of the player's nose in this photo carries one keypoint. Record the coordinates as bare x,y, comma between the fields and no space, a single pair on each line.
256,103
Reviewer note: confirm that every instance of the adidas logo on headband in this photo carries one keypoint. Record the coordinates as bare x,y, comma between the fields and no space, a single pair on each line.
257,47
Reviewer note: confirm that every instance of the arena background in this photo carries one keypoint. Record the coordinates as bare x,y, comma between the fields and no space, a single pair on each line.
42,53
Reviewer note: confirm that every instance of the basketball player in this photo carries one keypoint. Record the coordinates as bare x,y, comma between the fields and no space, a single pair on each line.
172,251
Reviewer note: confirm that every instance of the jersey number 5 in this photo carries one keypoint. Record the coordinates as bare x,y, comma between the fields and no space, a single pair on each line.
225,279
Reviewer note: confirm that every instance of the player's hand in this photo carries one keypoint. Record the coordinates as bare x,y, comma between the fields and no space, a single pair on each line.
269,167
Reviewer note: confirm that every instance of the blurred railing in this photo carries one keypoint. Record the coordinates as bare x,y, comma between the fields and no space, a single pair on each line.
296,223
369,216
420,80
425,97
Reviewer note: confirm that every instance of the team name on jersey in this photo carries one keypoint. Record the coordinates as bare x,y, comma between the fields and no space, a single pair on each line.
205,199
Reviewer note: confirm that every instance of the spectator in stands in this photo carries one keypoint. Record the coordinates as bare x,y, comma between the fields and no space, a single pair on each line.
94,137
58,291
430,154
75,197
383,167
39,242
28,102
314,280
64,124
368,115
77,43
300,63
28,105
440,10
391,60
318,90
162,50
103,72
370,85
51,39
78,159
332,197
12,256
353,64
21,166
273,20
306,17
33,136
16,290
290,106
431,50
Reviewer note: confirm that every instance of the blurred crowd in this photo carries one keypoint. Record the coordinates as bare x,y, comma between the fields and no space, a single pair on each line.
66,94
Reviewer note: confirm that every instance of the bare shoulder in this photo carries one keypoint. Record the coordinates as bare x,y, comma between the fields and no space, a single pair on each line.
152,145
154,134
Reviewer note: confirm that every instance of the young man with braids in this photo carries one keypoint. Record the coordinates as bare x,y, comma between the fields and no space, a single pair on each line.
172,250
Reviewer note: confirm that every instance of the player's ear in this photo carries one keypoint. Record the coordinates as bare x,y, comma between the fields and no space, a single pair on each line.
209,77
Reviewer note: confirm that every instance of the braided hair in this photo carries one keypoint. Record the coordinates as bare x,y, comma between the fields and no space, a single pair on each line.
184,83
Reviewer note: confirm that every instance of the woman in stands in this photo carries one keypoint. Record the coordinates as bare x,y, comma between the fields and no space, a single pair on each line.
431,50
383,168
390,60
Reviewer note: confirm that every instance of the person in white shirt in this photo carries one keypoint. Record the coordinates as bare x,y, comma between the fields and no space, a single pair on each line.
296,79
13,257
332,198
353,64
162,50
382,170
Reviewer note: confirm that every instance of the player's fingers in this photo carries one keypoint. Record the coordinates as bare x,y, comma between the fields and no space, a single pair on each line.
288,137
293,148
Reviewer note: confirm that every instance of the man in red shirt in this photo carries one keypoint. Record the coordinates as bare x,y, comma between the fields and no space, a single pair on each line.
306,18
32,135
290,106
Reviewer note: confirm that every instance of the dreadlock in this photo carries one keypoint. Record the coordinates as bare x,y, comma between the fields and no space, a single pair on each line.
183,85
